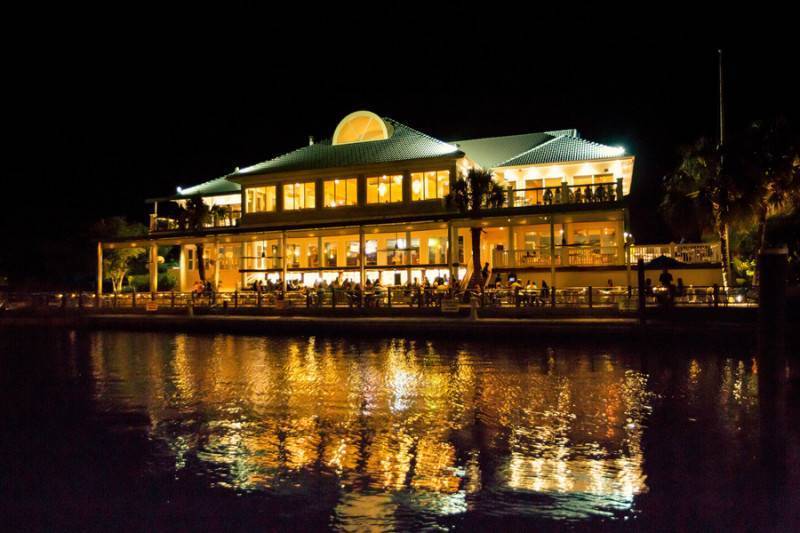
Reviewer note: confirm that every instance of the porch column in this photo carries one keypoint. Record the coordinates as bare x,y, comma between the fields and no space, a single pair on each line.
284,263
153,264
99,268
242,275
182,268
362,260
552,253
215,255
449,254
512,261
321,255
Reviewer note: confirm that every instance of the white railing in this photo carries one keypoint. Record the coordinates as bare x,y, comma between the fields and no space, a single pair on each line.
694,253
574,255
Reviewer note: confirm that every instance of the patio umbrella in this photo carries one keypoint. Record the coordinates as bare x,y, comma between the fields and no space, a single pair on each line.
662,261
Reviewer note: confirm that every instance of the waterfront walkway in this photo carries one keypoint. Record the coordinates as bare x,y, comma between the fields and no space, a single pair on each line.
497,328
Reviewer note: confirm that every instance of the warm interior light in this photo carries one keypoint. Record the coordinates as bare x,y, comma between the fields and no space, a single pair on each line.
382,189
416,187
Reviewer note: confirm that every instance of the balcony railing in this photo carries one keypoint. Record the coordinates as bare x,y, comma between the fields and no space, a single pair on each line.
565,194
695,253
568,255
158,223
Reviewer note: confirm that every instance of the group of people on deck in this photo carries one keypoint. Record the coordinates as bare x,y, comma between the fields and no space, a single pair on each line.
425,293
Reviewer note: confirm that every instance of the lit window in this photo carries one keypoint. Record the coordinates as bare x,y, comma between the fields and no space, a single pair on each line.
352,253
299,196
437,250
384,189
260,199
330,254
339,192
430,185
359,127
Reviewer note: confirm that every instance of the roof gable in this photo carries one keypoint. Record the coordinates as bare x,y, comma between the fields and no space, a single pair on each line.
561,149
404,144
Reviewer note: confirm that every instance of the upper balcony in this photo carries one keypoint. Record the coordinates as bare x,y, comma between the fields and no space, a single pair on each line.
566,194
171,224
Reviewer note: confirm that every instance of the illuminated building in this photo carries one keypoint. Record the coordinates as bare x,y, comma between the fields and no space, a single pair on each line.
371,203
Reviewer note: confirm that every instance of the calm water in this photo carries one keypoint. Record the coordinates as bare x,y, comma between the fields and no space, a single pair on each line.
153,430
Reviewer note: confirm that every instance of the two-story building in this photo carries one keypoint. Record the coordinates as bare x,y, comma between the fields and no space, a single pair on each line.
370,203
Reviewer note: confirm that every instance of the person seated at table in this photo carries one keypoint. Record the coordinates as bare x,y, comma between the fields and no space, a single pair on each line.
610,283
516,287
680,289
531,293
379,291
441,291
426,290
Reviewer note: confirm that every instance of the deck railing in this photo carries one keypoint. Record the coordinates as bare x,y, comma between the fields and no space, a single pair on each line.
568,255
618,297
694,253
158,223
565,194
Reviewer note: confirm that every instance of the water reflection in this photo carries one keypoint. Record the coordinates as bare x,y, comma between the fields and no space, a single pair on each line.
400,428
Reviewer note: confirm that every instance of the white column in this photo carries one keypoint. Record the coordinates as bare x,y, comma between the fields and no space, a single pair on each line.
511,247
362,259
552,253
284,262
182,269
99,268
450,253
215,255
153,264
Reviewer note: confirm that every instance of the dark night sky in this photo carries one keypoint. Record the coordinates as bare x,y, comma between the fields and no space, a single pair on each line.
101,120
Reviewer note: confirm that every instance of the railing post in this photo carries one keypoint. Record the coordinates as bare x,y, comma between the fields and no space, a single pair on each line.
389,297
236,299
115,300
172,299
716,295
259,296
553,296
420,293
590,297
133,300
333,298
619,189
640,281
510,197
564,192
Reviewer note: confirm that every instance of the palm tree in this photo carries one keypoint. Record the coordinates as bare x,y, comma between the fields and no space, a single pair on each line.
703,184
769,159
472,194
194,217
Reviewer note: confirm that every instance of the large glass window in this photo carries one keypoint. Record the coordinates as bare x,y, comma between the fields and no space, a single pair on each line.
430,185
352,253
293,255
384,189
330,254
371,252
339,192
437,250
299,196
260,199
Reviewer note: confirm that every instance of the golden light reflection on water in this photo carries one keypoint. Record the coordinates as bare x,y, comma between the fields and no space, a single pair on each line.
435,424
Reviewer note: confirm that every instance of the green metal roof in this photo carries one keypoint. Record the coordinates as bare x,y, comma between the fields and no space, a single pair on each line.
404,144
216,187
534,148
563,149
488,152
